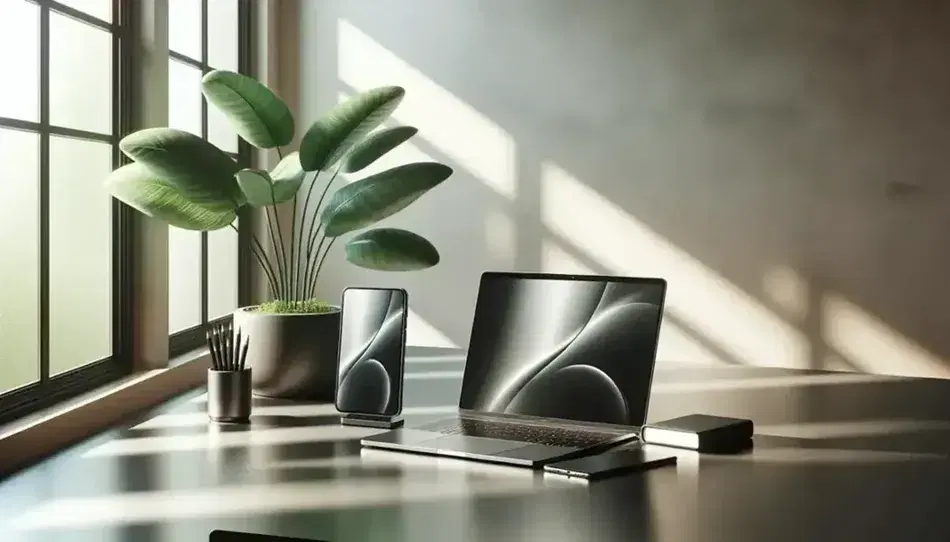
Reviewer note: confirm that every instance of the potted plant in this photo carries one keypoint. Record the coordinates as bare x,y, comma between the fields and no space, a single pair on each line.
189,183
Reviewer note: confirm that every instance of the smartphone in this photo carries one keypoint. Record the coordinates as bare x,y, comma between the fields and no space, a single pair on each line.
613,463
233,536
372,351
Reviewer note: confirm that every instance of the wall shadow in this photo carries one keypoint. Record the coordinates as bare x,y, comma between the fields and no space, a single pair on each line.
754,139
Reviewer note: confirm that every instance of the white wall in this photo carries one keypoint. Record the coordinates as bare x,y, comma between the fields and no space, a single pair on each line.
753,153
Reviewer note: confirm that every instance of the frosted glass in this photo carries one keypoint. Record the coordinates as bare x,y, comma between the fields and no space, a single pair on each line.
184,27
80,75
223,34
184,97
19,259
20,59
222,272
184,279
220,132
80,254
100,9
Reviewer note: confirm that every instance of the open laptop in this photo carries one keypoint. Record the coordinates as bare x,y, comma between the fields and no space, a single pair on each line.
557,365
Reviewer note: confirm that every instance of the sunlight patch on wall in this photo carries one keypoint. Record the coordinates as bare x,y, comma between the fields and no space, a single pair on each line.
419,332
405,153
500,237
554,259
705,301
448,123
872,345
676,345
788,290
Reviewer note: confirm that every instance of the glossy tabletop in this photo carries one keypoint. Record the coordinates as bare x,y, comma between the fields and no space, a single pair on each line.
837,456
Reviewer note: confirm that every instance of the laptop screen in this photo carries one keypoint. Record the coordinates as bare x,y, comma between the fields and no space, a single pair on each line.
564,346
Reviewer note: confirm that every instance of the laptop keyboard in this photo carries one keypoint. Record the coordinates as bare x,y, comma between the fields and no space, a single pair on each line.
552,436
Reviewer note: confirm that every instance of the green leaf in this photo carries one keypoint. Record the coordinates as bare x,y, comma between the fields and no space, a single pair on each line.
379,196
138,187
391,249
330,137
260,190
198,170
255,112
288,169
375,146
256,185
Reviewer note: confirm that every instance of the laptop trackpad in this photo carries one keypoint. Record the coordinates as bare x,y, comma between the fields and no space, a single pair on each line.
539,452
472,445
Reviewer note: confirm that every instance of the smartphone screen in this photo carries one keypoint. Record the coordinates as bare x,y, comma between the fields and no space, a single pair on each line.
372,351
613,463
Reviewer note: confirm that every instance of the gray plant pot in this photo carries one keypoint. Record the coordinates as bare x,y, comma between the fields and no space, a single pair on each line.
294,356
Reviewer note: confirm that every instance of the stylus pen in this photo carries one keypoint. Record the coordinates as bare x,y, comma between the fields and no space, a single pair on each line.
595,449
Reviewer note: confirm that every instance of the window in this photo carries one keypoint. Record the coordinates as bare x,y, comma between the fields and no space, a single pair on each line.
203,271
63,276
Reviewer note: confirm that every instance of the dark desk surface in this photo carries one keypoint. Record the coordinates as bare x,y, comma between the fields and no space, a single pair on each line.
838,456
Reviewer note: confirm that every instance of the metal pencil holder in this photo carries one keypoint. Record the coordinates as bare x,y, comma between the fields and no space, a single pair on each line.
229,381
229,396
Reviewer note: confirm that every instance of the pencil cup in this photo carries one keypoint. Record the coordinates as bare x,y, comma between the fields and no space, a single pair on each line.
229,396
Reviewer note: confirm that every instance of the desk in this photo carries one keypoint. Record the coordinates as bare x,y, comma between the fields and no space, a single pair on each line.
838,456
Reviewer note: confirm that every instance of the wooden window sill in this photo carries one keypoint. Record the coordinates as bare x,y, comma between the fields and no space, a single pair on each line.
28,440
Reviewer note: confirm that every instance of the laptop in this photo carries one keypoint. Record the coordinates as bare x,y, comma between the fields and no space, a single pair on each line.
557,366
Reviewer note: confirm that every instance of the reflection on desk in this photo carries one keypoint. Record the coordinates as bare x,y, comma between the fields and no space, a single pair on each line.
836,457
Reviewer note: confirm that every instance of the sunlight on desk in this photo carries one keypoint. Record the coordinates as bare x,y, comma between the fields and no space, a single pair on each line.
257,437
140,507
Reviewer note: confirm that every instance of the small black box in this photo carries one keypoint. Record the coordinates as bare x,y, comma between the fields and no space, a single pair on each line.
700,432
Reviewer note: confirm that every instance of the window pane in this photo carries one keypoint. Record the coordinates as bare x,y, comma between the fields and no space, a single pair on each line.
80,253
19,259
220,132
184,97
80,74
184,279
184,247
222,272
20,59
101,9
223,34
184,27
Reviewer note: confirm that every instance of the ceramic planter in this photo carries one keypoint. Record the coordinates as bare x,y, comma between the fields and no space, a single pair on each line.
293,356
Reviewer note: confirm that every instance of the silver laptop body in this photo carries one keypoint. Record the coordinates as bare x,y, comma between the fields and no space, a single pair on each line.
557,365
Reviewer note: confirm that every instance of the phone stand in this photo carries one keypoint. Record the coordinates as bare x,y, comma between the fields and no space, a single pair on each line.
372,420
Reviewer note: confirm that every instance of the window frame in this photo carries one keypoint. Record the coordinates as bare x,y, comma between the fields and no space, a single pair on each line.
194,337
49,390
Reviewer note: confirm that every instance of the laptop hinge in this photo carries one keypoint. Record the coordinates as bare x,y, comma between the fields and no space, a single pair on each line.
547,422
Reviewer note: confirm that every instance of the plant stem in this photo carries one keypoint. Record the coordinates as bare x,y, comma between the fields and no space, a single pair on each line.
257,251
313,233
313,284
316,232
313,230
273,240
303,224
280,238
279,154
294,272
315,256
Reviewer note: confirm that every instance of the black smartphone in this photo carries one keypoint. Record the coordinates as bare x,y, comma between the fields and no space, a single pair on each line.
614,463
234,536
372,351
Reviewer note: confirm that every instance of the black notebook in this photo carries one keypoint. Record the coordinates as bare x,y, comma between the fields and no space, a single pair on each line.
700,432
